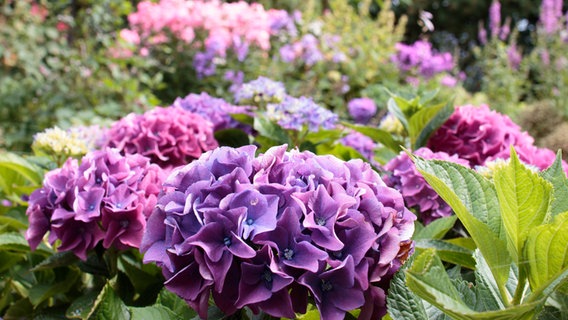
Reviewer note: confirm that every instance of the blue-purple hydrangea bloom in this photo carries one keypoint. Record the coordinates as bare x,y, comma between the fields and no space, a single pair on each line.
106,197
295,113
261,90
418,195
216,110
362,109
267,231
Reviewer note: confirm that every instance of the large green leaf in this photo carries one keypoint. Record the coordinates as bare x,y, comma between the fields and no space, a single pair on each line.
176,304
271,130
555,174
155,312
232,137
427,120
13,241
402,303
109,306
428,278
41,292
524,199
547,252
21,166
474,200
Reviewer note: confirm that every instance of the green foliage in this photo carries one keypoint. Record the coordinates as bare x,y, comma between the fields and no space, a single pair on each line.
517,245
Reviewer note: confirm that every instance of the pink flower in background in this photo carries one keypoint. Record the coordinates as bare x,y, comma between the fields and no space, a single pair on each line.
550,14
420,57
515,57
495,18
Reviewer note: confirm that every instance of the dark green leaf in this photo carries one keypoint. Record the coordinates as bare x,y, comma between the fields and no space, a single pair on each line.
42,292
232,138
271,130
402,303
58,259
81,307
176,304
427,121
109,306
156,312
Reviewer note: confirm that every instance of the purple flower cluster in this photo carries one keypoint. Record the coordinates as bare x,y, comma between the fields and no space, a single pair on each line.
266,232
107,197
307,50
420,57
168,136
479,134
295,113
417,194
362,109
216,110
362,143
550,15
260,91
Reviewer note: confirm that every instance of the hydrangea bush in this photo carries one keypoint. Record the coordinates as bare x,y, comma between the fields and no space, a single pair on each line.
265,232
106,197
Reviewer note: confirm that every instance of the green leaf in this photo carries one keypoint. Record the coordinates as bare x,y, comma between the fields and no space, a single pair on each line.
155,312
547,252
524,200
232,137
13,223
13,241
18,164
555,174
340,151
243,118
474,200
427,278
109,306
448,252
271,130
323,136
402,303
82,306
58,259
485,279
42,292
378,135
394,109
173,302
426,121
436,229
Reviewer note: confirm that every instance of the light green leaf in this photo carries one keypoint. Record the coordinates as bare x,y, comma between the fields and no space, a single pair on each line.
474,200
18,164
155,312
270,130
485,279
427,120
427,278
448,252
13,241
436,229
524,200
109,306
402,303
397,111
547,252
555,174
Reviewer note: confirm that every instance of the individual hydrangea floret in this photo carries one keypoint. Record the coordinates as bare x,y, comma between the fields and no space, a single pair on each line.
216,110
362,109
297,113
107,197
417,193
260,91
478,134
168,136
268,231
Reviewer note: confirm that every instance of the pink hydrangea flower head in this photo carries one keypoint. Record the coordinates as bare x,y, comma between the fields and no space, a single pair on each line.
168,136
107,197
477,134
417,194
268,231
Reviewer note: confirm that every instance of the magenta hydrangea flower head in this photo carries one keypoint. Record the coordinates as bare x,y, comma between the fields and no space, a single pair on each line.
216,110
477,134
268,231
362,109
168,136
106,197
417,194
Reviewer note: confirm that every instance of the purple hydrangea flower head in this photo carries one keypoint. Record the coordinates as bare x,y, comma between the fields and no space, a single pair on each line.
216,110
477,134
168,136
417,193
422,58
268,231
362,109
362,143
295,113
107,197
260,91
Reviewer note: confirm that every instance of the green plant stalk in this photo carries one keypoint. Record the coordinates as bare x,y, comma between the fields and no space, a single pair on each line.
520,289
